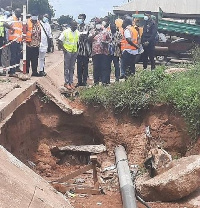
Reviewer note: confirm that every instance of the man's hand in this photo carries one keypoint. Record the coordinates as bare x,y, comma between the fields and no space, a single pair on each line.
146,43
12,31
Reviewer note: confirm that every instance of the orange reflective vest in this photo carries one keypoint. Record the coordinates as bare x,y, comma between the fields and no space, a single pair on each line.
29,30
134,38
17,26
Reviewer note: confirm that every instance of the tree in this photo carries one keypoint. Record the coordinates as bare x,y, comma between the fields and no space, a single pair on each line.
42,7
65,19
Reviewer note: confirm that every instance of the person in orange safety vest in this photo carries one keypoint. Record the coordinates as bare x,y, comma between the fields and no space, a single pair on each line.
129,46
15,37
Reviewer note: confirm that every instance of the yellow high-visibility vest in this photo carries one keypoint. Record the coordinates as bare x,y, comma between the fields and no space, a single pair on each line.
70,42
1,26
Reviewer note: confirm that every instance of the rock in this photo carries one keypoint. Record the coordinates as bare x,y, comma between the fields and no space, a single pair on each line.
79,180
160,161
42,166
105,164
194,198
179,181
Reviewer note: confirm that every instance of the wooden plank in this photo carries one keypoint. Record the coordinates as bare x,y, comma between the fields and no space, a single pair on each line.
87,191
75,173
83,190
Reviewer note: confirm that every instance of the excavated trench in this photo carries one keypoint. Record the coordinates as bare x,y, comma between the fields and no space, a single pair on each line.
39,124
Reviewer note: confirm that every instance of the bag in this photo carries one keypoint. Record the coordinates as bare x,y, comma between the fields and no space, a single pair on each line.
157,37
49,40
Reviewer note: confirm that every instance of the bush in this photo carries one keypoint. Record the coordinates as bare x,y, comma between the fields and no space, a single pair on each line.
134,94
182,90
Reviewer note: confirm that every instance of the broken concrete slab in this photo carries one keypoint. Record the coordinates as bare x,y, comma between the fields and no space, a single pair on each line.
22,187
83,148
52,92
179,181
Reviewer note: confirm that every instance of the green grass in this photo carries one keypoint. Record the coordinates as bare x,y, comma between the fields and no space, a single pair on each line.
182,90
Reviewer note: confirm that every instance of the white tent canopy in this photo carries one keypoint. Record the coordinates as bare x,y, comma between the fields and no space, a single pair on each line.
168,6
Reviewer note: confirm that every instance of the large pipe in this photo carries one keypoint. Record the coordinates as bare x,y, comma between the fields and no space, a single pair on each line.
126,184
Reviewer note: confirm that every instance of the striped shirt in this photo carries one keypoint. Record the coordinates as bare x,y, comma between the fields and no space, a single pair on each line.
114,46
84,47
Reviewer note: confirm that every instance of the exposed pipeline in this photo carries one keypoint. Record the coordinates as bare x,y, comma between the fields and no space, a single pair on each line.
126,185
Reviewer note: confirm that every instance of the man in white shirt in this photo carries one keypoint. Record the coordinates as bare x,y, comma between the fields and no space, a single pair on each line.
45,35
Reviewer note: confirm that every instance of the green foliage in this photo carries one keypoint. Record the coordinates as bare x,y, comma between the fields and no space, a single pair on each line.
134,94
42,7
45,99
14,3
182,90
65,19
196,54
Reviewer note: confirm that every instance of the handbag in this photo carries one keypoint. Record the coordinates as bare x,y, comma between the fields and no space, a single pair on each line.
49,40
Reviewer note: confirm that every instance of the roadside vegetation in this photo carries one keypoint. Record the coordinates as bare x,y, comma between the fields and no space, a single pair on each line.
182,90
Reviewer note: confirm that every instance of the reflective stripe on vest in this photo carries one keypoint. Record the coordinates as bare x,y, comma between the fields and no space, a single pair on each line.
29,31
134,38
70,41
1,26
17,25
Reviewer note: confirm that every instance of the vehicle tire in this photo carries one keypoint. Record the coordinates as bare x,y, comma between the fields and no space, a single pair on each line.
161,58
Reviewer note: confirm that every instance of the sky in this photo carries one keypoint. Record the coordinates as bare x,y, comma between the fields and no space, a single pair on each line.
92,8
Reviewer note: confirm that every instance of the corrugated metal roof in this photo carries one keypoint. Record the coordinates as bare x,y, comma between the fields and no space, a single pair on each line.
168,6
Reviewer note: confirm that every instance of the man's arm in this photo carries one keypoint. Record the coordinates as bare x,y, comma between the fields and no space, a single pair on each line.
154,32
60,41
6,25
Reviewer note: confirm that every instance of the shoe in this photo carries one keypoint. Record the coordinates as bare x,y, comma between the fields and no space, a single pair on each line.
18,69
35,74
13,75
72,86
3,73
42,74
122,77
67,86
78,85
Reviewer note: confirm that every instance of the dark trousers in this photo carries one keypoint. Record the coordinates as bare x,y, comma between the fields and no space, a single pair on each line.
149,53
15,50
100,68
106,70
1,44
115,61
128,62
82,69
32,54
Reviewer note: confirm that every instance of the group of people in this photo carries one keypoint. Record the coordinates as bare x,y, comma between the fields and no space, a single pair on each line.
38,35
106,42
